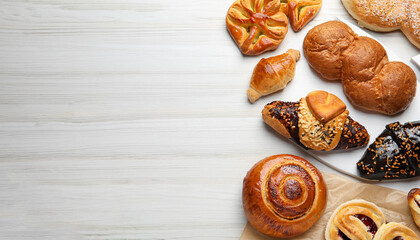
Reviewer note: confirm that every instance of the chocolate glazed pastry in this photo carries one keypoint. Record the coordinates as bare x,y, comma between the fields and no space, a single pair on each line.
319,122
394,154
283,195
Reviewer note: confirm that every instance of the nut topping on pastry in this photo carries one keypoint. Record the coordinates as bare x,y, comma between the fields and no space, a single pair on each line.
330,128
315,134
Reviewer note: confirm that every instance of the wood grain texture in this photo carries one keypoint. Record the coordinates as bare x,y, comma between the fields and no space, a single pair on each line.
129,119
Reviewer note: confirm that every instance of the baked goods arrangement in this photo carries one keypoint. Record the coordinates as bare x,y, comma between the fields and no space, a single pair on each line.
272,74
360,219
258,26
387,16
395,153
413,199
355,219
283,195
318,121
370,81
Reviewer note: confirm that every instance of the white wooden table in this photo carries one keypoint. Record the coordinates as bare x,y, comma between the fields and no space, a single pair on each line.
129,119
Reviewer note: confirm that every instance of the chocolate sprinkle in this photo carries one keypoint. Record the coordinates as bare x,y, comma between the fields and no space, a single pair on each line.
394,154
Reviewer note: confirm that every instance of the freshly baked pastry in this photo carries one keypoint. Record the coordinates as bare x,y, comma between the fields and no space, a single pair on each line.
387,15
413,198
318,121
394,154
256,26
354,220
395,231
283,195
272,74
300,12
369,80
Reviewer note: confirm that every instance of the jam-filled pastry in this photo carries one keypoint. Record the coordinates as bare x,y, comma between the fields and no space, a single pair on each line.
283,195
354,220
394,154
395,231
300,12
272,74
413,198
319,121
257,26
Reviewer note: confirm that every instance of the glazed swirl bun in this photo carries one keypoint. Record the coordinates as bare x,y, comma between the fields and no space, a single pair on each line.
413,198
355,220
395,231
283,195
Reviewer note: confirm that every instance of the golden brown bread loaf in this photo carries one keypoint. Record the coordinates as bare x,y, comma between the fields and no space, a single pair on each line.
283,195
300,12
272,74
355,220
388,15
395,231
256,26
318,121
413,198
369,80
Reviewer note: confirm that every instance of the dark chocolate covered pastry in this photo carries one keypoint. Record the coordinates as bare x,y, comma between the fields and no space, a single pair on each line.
318,121
394,154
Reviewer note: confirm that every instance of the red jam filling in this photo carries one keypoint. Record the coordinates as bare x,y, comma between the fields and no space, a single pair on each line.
372,228
398,238
342,235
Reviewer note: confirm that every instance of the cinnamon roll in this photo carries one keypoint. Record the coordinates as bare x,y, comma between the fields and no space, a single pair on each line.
283,195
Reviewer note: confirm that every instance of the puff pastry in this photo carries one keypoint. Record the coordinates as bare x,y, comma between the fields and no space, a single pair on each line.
283,195
300,12
355,220
272,74
413,198
395,231
256,26
319,121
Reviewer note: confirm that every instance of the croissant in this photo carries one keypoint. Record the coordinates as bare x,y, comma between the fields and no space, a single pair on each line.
370,81
272,74
394,154
395,231
256,26
300,12
319,121
386,16
413,199
283,195
354,220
